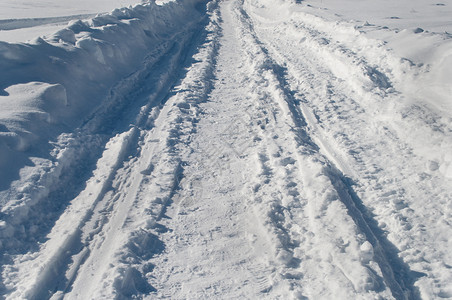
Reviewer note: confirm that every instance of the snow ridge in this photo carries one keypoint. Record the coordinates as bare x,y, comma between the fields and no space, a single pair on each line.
74,69
23,137
86,144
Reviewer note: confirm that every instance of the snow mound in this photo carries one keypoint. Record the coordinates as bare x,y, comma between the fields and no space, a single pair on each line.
51,85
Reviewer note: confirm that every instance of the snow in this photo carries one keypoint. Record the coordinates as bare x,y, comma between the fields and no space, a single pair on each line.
47,8
61,80
404,14
263,149
22,21
418,32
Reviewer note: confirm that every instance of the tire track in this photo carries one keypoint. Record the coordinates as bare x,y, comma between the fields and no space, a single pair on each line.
214,249
98,215
396,274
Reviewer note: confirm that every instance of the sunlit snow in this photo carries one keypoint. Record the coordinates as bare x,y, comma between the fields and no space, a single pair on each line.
225,149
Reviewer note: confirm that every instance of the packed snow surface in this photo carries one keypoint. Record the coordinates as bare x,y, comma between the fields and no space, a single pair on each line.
226,149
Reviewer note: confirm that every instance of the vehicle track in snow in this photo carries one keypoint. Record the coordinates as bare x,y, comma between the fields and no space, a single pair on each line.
282,197
395,273
337,86
92,225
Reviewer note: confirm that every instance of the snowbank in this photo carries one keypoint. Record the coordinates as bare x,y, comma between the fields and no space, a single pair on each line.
52,85
410,64
389,92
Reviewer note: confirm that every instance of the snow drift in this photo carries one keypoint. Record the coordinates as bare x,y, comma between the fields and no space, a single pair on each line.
51,85
51,89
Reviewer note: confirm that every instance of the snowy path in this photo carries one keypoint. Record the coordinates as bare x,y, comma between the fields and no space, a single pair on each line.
208,243
242,193
254,163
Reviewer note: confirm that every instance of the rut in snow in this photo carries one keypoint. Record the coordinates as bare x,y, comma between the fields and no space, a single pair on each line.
397,275
95,206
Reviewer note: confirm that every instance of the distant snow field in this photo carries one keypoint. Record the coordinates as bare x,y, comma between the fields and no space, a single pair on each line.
10,9
435,16
24,20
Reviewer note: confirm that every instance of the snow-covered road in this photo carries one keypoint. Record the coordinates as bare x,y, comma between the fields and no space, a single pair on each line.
260,152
